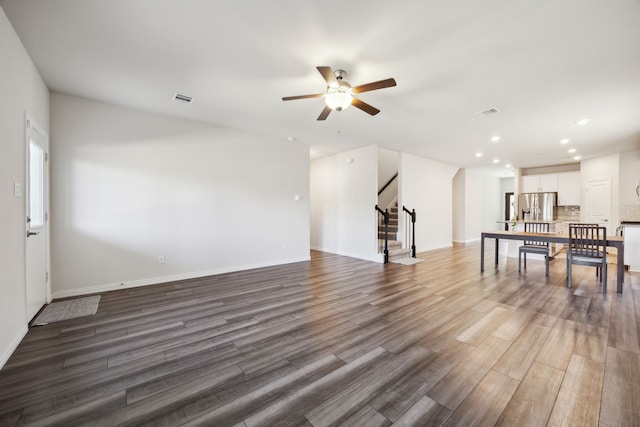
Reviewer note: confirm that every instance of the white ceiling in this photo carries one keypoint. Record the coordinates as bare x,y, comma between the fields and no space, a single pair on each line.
544,64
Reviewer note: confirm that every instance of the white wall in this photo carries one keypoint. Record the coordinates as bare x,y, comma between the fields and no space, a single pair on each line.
22,91
130,186
427,186
479,202
629,181
343,197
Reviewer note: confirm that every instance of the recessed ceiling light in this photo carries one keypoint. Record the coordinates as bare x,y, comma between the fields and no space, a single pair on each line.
478,154
291,138
576,158
496,160
565,141
582,122
571,150
495,138
508,165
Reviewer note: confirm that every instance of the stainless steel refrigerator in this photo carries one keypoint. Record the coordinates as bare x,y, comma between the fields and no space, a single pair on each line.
537,206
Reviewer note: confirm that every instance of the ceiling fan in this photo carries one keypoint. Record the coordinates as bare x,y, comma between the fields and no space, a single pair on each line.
340,94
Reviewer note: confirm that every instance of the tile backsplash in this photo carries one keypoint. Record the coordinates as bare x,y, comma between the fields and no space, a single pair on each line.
570,213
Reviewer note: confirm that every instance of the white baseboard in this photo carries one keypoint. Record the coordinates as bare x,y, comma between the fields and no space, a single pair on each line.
467,241
433,248
379,258
6,354
164,279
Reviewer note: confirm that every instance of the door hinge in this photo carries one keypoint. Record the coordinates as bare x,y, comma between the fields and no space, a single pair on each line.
46,216
46,157
46,276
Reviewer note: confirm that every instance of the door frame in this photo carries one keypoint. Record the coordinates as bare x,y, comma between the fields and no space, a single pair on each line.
31,125
507,208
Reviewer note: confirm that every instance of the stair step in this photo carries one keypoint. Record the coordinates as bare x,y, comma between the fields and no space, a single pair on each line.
392,236
399,254
392,229
390,244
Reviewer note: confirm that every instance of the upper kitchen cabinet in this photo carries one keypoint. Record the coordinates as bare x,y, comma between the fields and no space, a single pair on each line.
540,183
569,189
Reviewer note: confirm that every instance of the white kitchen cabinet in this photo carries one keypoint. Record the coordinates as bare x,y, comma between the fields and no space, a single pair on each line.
632,247
569,189
540,183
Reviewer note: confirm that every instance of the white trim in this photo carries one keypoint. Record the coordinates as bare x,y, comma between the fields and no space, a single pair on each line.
379,258
467,241
31,124
164,279
4,357
433,248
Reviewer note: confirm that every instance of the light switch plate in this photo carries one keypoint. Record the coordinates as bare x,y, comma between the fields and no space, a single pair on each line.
17,189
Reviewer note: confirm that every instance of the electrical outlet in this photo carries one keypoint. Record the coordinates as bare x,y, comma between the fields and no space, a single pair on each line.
161,259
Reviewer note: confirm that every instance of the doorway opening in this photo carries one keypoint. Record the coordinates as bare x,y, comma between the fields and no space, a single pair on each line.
509,209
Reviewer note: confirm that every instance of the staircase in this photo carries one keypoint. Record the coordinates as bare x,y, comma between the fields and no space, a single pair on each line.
396,251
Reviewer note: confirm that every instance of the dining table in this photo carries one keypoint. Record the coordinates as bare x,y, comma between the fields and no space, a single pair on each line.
552,237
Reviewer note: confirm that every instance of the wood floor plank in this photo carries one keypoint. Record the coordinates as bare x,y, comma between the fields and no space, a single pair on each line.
486,325
558,348
623,331
621,389
461,380
486,402
295,405
578,401
343,403
413,385
591,342
517,360
341,341
533,401
425,412
366,417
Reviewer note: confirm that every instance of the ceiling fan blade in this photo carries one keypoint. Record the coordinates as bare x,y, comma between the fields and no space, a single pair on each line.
374,85
291,98
324,113
364,107
327,74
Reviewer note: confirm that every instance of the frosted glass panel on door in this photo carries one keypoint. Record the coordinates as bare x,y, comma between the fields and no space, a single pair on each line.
36,185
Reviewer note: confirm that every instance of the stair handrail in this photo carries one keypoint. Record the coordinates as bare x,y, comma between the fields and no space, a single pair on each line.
385,215
412,214
384,187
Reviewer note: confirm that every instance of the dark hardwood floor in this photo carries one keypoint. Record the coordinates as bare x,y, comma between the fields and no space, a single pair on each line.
339,341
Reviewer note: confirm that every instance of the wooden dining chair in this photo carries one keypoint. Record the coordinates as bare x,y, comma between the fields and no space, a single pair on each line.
534,247
588,246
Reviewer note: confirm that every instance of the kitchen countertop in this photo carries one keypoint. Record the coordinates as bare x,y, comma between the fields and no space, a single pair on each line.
520,221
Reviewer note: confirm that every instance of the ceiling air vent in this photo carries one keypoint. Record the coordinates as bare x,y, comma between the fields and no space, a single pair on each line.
488,112
183,98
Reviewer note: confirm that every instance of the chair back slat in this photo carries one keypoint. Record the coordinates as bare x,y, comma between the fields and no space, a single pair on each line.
588,240
536,227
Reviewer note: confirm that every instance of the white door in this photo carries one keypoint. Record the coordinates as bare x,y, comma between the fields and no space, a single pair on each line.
37,228
597,199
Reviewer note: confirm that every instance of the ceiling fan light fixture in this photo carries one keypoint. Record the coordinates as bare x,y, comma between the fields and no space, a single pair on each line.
338,98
